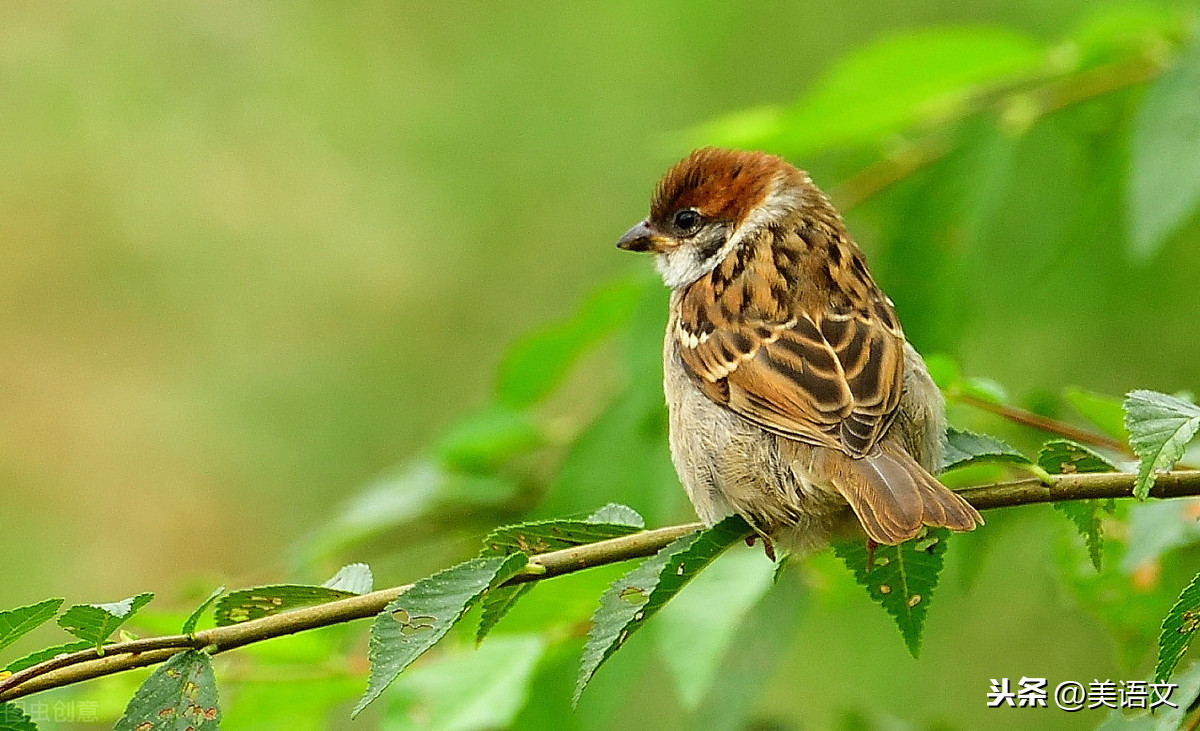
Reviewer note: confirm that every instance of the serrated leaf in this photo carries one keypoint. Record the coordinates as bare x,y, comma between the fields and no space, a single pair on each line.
189,624
483,442
695,630
181,695
1064,457
881,89
1177,629
618,514
900,578
46,653
14,718
414,621
638,595
93,623
1104,411
538,362
1160,427
16,622
1061,456
355,578
496,604
1164,176
965,447
543,536
256,602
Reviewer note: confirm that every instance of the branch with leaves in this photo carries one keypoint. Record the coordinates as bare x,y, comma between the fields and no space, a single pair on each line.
999,77
411,619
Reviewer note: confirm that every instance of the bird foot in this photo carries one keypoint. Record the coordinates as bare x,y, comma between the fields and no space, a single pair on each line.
768,546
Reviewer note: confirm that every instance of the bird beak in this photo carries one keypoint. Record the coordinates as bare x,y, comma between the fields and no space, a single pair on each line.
642,238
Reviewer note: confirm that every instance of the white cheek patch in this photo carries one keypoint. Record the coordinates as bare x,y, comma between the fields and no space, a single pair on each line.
682,266
679,267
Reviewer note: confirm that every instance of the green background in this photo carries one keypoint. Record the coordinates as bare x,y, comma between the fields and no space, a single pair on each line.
253,254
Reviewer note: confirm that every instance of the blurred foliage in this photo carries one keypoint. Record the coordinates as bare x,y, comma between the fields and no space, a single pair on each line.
1027,196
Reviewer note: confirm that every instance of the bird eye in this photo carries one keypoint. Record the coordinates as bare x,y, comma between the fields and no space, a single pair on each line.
687,220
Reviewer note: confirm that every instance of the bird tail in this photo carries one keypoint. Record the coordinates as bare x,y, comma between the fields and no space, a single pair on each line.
893,496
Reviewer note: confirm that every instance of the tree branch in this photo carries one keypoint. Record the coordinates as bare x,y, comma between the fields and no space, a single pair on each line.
119,656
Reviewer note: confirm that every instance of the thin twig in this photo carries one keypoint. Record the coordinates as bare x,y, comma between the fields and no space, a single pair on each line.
119,656
1046,424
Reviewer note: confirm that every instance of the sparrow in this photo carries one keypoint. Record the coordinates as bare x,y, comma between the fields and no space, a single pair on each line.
795,400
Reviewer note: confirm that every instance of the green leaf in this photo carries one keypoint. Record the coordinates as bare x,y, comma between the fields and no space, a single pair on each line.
355,578
543,536
1177,629
881,89
14,718
19,621
189,624
419,617
1060,456
1160,427
496,604
695,630
617,514
93,623
485,441
631,600
964,448
181,695
256,602
900,578
1106,412
46,653
538,362
1164,176
467,689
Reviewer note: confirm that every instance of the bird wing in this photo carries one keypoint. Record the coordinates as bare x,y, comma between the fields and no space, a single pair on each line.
831,378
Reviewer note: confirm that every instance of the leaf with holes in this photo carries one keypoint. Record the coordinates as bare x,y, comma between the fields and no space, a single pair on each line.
181,695
965,447
638,595
543,536
414,621
900,578
263,601
1160,427
93,623
1177,629
14,718
1060,457
17,622
189,624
